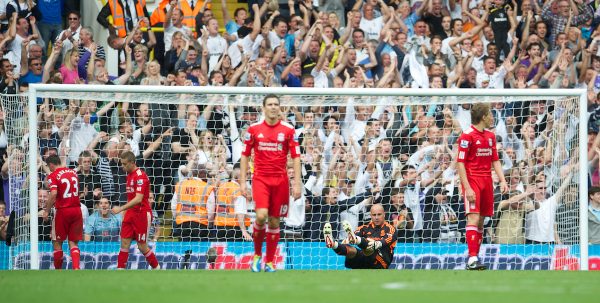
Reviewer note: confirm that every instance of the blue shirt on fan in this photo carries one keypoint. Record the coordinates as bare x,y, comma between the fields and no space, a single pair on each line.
51,11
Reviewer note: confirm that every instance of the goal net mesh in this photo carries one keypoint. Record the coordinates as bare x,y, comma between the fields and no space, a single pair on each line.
402,148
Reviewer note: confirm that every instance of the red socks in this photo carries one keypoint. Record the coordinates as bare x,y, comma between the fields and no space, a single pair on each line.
122,259
75,257
258,237
151,259
473,240
58,259
272,240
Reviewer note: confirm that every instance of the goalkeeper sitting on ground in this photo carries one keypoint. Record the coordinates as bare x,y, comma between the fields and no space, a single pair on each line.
376,241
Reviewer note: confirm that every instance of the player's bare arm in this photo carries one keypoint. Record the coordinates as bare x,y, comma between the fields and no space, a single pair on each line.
462,174
297,178
49,204
243,175
498,169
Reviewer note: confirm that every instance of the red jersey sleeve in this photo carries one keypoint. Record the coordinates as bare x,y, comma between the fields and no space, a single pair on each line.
464,143
294,145
141,183
52,182
494,150
248,142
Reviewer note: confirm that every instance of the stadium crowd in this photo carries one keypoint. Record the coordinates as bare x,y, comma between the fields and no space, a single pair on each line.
353,156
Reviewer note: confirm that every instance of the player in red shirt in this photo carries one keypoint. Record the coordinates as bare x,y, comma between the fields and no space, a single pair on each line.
138,215
68,221
271,141
476,155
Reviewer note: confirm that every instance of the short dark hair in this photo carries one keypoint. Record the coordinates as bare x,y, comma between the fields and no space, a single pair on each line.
53,159
405,169
270,96
85,154
128,155
593,190
358,30
237,10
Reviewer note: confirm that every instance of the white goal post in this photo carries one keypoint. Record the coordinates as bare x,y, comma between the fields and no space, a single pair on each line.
171,95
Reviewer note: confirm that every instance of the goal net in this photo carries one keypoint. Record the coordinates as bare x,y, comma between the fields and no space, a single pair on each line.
396,147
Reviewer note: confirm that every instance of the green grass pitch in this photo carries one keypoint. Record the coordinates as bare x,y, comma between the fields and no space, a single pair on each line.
299,286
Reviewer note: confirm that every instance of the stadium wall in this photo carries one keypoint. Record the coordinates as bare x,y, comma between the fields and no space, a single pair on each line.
314,256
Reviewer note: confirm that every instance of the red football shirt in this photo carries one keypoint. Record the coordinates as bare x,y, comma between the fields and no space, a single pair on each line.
477,150
138,183
271,144
65,182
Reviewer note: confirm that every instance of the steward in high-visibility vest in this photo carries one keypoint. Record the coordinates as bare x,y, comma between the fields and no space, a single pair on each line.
123,20
189,14
193,207
231,221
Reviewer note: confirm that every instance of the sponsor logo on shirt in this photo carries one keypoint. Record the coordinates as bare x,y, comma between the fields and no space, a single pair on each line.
268,146
464,143
483,152
280,137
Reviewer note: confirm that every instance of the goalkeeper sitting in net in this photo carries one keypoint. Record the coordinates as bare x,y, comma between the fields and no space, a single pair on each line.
376,242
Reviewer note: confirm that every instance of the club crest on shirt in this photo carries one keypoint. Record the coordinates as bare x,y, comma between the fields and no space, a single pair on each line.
490,141
464,143
280,137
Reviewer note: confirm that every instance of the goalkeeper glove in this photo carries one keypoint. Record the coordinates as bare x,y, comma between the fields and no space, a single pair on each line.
374,245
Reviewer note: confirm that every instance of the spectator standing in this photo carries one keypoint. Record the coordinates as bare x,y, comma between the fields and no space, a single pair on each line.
70,36
231,221
593,215
51,21
125,13
193,206
90,188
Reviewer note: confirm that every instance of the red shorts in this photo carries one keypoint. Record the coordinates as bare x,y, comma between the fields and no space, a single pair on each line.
68,223
484,196
136,225
272,192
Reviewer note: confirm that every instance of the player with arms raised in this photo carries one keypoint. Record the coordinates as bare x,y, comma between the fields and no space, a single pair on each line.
138,215
477,155
68,220
271,141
